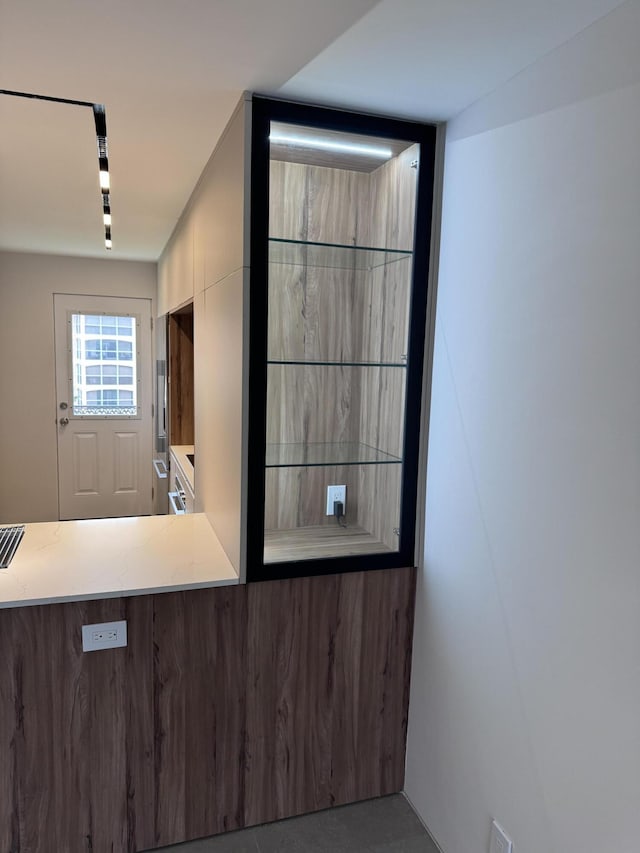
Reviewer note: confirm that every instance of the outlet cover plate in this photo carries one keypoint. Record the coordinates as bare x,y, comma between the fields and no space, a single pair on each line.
104,635
500,842
336,493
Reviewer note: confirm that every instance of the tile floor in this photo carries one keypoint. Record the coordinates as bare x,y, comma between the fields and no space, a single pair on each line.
385,825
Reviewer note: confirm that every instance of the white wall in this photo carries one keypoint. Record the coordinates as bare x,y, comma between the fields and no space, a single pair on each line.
525,698
28,441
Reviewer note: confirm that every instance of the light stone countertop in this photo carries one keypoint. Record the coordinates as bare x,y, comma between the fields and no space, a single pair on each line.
179,452
112,557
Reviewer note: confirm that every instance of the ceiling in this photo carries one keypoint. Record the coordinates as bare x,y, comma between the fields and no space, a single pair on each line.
170,72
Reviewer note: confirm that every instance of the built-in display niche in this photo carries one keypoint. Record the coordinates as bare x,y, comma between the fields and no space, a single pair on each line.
180,376
343,339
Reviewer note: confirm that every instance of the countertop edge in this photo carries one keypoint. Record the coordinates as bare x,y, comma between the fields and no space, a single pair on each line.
118,593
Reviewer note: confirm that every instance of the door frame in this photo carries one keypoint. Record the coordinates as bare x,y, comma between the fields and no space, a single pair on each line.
139,501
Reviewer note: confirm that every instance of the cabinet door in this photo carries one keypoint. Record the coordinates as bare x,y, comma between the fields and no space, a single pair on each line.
342,340
175,269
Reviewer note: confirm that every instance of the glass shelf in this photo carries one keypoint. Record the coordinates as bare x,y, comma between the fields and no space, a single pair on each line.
314,363
335,453
331,255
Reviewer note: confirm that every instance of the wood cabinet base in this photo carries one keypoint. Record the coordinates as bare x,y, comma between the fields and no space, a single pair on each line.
230,707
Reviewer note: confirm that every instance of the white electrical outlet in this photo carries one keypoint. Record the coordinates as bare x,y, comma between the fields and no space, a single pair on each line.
104,635
499,842
336,493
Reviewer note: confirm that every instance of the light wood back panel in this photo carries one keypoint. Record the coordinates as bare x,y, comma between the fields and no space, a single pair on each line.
313,404
314,203
312,316
298,495
312,311
380,502
339,315
386,220
382,394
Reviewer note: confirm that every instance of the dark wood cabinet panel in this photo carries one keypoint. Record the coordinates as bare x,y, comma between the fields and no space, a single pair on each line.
181,391
291,634
229,707
140,726
169,717
214,690
10,727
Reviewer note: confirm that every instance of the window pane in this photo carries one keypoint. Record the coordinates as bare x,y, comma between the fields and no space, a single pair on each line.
109,348
125,352
107,340
92,349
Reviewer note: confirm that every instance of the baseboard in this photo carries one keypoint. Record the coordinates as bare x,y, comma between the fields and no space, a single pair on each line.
426,828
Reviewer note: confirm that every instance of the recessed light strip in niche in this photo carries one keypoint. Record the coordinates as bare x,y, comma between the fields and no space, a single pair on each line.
332,145
100,120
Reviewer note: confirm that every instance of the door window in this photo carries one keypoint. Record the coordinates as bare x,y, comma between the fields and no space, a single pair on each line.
105,365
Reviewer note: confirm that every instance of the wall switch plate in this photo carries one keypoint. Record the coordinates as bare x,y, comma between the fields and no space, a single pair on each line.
336,493
104,635
499,842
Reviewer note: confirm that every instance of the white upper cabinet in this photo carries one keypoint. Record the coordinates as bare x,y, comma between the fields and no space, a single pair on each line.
175,268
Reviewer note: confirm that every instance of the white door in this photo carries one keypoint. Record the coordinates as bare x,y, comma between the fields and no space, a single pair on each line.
104,406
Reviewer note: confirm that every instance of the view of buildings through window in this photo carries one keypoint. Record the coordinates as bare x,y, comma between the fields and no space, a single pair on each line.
104,365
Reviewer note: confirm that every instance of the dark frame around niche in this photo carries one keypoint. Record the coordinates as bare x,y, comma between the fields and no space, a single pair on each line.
265,110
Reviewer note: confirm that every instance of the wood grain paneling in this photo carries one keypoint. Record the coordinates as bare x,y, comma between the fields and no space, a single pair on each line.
215,700
10,731
289,744
311,317
314,314
318,314
105,676
386,218
338,648
312,543
379,506
140,728
169,718
298,496
314,203
313,404
387,215
181,398
229,707
55,733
